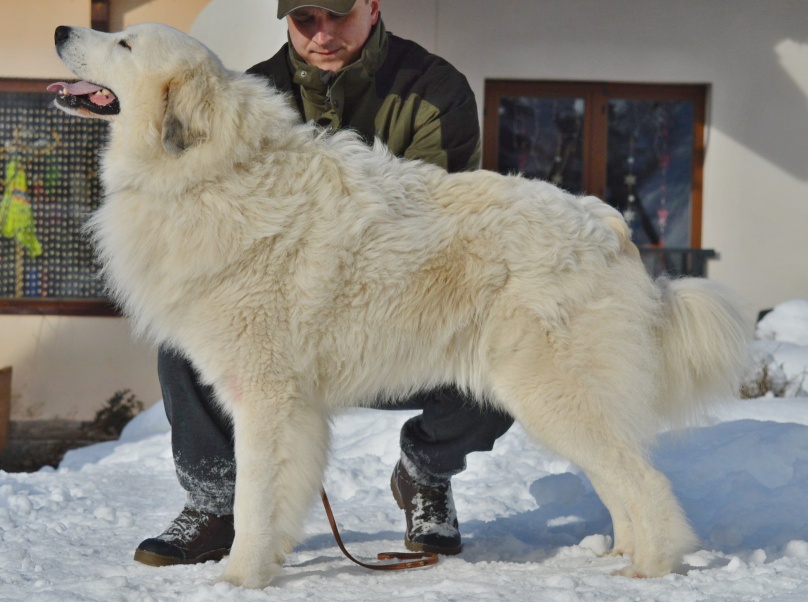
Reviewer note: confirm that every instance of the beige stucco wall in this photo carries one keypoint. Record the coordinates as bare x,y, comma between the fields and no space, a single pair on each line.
753,54
178,13
26,35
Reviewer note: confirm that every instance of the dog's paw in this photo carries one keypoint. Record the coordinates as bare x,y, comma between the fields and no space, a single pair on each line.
637,571
245,581
619,551
249,580
616,550
632,571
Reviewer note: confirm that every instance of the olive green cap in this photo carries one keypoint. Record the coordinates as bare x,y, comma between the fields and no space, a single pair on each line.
340,7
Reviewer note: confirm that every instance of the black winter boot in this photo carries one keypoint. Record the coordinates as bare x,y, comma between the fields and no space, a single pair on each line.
192,537
430,512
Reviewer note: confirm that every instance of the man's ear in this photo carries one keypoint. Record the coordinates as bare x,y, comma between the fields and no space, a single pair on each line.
187,119
374,12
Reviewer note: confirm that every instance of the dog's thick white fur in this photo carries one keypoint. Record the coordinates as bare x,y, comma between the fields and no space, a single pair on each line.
302,273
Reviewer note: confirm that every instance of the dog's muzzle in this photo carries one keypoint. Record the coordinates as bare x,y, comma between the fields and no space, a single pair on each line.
83,98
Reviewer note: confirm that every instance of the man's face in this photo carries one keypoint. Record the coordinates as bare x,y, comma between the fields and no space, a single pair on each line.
330,41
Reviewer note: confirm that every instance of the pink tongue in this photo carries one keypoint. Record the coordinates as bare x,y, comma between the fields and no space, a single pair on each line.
85,89
77,88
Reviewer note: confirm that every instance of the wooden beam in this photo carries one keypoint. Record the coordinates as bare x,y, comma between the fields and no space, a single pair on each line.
99,15
5,406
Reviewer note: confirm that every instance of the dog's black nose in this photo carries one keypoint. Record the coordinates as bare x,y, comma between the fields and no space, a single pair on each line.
61,34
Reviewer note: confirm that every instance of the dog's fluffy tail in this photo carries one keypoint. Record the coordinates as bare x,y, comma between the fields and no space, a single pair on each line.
705,342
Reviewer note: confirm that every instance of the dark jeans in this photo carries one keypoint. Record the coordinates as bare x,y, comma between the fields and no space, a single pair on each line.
436,442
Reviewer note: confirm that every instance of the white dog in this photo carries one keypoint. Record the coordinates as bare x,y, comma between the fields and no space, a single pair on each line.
302,273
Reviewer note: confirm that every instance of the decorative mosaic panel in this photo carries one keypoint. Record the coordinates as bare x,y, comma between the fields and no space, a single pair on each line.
49,183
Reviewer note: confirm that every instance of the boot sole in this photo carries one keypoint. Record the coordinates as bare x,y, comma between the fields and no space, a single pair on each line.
414,546
152,559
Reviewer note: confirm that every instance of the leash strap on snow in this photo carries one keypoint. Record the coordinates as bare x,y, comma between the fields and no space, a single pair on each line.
413,560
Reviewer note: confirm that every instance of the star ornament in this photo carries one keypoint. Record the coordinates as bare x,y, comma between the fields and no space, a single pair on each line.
662,217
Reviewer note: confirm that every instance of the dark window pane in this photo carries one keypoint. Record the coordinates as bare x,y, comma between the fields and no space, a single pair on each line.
542,138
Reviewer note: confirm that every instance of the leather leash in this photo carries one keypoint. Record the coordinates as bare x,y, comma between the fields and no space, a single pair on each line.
413,560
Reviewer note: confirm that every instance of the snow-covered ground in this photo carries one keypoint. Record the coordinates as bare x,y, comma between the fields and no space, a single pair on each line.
532,526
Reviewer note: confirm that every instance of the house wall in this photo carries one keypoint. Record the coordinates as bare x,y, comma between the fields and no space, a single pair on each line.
67,367
752,54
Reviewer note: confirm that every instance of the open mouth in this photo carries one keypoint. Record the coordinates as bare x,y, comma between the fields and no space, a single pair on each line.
78,96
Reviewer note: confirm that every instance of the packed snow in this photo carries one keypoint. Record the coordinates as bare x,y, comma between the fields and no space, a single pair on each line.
532,526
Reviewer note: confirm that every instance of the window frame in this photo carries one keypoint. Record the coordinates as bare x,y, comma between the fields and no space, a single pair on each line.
597,95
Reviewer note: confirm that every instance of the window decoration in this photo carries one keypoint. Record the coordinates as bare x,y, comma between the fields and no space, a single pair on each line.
650,168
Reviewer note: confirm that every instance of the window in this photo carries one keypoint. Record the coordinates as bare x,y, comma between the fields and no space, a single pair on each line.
49,185
640,147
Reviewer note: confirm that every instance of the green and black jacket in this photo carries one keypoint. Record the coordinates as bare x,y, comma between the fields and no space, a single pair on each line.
415,102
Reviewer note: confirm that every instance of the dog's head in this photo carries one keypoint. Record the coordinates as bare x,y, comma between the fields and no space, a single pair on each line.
155,70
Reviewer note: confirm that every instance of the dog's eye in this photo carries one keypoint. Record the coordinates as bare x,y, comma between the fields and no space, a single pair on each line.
125,44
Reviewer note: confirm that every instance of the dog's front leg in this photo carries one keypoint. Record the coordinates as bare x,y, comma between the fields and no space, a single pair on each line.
281,446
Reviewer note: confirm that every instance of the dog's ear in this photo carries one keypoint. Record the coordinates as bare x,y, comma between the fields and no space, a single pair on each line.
187,120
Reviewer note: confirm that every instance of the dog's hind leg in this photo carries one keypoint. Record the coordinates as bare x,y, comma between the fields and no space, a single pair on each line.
661,531
649,524
281,450
623,544
584,401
